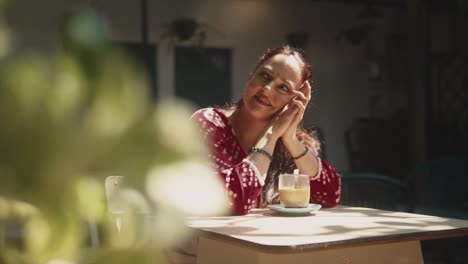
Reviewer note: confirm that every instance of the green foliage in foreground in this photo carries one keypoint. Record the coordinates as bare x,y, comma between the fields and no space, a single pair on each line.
67,122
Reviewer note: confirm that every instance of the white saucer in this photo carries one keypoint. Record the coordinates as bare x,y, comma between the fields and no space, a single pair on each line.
294,211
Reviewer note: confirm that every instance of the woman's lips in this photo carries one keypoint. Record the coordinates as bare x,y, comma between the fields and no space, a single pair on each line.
261,100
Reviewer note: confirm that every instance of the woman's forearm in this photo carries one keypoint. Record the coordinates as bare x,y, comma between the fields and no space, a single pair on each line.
308,163
262,161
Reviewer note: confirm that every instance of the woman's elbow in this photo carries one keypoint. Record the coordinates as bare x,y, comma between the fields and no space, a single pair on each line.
242,208
331,202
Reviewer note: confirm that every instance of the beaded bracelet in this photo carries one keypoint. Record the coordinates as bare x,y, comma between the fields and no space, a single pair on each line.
302,154
260,150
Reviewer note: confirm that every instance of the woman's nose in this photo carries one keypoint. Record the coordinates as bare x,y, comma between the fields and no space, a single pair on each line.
268,86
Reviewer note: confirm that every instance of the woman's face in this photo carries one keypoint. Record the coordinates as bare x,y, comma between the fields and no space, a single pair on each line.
271,86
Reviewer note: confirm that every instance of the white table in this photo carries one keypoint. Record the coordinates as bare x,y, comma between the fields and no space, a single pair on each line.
336,235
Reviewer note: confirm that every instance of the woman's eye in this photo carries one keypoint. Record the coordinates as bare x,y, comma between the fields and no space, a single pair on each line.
265,76
284,88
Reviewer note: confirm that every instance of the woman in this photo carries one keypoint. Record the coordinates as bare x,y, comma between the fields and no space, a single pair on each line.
260,136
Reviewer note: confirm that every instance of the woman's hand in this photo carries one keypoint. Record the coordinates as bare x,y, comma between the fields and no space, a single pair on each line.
284,124
299,102
282,120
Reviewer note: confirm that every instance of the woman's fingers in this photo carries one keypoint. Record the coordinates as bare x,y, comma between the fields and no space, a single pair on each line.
301,109
300,95
307,90
303,93
291,111
284,120
299,103
297,119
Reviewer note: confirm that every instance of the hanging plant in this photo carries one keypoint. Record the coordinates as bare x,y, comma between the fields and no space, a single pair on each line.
186,30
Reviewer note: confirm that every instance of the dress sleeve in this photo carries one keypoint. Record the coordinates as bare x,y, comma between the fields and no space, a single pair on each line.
241,179
326,188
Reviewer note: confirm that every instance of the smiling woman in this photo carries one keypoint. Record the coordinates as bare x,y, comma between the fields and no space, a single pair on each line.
260,136
271,86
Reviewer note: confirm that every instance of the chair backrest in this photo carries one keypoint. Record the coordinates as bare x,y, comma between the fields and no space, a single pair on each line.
378,145
374,191
440,183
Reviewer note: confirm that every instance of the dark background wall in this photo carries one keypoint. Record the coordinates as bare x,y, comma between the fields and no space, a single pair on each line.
393,69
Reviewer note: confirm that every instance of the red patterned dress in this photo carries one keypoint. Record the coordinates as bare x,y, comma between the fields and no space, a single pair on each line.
241,177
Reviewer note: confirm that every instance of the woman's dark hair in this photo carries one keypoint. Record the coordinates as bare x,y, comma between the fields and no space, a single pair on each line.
282,161
287,50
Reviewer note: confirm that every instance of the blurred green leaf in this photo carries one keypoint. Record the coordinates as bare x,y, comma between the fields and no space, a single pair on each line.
68,121
3,3
5,41
55,233
85,30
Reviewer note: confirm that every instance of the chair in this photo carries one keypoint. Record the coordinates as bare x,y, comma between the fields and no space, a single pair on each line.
378,145
374,191
438,187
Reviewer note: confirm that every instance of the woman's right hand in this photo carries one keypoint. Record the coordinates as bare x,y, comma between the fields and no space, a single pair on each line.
282,120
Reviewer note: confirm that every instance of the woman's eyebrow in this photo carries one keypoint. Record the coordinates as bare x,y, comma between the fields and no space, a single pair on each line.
266,68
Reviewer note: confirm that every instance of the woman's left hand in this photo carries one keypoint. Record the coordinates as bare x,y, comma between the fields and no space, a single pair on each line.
300,100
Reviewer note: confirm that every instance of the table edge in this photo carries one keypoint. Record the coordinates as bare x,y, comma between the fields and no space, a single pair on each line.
415,236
